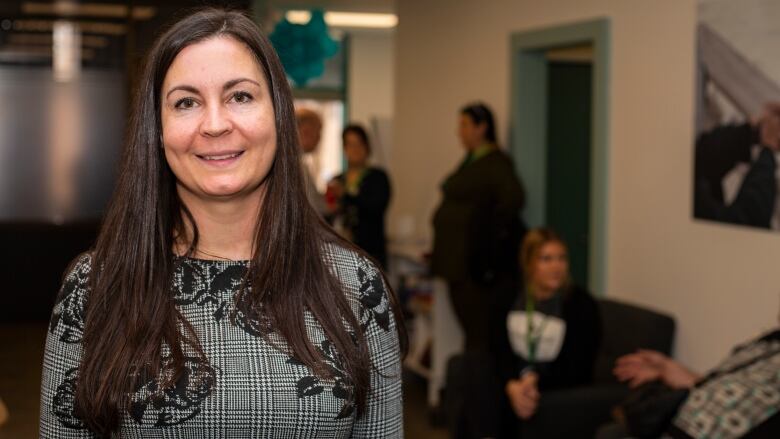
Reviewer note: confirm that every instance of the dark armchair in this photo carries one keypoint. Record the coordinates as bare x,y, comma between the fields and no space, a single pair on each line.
578,412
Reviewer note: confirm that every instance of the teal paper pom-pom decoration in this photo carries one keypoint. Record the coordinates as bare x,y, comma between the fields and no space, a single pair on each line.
303,48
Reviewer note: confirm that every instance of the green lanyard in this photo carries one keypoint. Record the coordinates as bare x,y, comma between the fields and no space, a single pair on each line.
531,338
353,187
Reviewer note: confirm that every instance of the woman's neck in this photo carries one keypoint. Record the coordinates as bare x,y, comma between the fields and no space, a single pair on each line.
226,229
356,168
541,293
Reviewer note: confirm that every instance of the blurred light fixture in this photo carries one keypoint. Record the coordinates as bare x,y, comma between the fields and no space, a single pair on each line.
347,19
66,51
21,53
71,9
91,27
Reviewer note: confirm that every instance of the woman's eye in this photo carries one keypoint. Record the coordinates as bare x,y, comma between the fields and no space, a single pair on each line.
184,103
241,97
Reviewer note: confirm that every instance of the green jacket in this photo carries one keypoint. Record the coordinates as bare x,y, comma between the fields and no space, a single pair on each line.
477,226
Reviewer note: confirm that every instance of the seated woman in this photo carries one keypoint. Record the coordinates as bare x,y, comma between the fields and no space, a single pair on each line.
740,398
552,335
554,329
363,193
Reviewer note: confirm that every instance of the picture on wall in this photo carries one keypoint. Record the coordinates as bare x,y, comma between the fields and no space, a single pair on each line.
737,145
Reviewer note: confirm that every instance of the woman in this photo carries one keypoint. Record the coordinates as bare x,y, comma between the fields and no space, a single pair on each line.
215,303
551,337
477,230
363,193
554,328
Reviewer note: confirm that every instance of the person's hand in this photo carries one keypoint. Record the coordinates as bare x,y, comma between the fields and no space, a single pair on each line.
768,124
640,367
523,395
647,365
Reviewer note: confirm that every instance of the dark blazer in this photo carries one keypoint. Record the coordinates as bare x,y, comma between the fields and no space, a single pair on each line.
364,213
477,226
577,358
717,152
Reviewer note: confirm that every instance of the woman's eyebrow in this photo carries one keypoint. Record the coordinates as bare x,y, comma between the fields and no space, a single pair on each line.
233,82
188,88
228,85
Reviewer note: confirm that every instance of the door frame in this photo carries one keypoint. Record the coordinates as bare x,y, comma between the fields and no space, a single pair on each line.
528,122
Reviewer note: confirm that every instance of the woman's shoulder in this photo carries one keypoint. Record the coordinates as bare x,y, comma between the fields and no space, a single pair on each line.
579,296
67,317
351,266
375,173
76,275
363,282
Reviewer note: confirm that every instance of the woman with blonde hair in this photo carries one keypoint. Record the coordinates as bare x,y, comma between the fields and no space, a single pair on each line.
554,328
550,341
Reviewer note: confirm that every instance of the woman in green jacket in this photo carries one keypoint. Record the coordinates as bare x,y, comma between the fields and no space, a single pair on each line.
477,230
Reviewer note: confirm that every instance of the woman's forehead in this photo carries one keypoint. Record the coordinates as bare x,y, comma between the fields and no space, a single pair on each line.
213,62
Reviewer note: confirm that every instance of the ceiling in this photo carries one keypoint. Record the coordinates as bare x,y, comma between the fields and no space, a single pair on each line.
110,39
377,6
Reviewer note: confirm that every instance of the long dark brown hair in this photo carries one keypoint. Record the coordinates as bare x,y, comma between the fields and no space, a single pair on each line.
130,312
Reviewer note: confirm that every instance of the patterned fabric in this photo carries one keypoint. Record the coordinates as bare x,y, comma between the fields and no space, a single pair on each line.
250,387
744,392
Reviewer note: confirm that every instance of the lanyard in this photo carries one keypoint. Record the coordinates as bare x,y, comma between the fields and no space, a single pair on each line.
533,335
353,186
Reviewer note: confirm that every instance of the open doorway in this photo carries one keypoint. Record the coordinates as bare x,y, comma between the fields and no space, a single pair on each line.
567,180
559,137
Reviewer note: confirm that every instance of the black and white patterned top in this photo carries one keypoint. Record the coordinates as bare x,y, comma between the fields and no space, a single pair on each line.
249,387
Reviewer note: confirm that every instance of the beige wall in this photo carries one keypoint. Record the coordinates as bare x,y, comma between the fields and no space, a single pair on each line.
371,75
720,282
371,78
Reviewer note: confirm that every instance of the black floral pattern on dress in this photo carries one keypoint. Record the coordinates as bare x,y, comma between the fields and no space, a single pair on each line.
171,406
373,297
207,285
69,308
63,403
342,389
255,323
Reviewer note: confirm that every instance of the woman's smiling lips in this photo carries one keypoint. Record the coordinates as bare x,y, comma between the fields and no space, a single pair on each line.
220,159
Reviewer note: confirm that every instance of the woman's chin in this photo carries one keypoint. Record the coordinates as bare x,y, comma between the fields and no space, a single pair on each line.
223,191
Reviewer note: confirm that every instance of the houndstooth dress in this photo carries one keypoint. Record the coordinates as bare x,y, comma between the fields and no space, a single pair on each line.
249,388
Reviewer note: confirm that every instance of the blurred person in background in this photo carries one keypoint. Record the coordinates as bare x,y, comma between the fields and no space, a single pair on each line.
477,230
554,327
216,302
309,125
739,398
362,195
550,340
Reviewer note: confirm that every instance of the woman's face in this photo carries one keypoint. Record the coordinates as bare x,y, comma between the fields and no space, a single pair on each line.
471,135
551,268
355,151
218,124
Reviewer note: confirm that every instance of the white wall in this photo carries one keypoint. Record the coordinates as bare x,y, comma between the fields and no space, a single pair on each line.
720,282
371,80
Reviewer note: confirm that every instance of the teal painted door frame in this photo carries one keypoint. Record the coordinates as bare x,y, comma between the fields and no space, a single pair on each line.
528,124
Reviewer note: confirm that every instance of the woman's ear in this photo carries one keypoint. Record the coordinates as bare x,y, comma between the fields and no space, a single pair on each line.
482,128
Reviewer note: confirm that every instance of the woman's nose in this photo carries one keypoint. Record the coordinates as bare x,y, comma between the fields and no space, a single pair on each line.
216,122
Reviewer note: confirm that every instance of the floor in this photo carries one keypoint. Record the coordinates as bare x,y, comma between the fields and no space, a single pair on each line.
20,375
